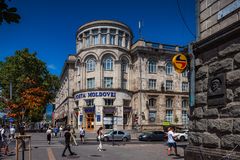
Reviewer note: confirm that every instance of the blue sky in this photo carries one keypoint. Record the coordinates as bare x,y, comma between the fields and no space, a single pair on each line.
48,27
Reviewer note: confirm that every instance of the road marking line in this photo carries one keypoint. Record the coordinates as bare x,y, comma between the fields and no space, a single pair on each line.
50,154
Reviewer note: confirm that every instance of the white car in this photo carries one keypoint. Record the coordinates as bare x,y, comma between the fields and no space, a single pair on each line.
181,136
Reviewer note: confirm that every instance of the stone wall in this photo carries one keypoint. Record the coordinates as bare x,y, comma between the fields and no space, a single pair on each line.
215,120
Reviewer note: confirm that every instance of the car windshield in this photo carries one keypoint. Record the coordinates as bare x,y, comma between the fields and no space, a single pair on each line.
109,132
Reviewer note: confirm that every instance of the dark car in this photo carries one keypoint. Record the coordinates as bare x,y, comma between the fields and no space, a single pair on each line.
152,136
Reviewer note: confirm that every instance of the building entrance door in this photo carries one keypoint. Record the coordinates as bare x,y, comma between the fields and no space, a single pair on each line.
89,122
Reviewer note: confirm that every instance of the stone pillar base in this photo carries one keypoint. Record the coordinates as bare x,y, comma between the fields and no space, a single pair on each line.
201,153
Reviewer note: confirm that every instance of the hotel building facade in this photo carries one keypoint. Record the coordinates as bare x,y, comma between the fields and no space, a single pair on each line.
113,83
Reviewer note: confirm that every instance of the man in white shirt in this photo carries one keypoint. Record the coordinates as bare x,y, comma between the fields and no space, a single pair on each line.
171,142
12,132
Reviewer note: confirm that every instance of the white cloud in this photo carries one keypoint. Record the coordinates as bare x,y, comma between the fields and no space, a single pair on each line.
52,66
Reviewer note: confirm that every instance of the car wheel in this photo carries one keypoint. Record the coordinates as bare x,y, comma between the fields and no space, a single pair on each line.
182,138
105,139
125,139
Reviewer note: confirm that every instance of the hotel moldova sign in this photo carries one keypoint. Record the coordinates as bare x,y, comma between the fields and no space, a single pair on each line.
95,94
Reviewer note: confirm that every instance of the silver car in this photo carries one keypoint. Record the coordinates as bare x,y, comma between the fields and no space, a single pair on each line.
117,135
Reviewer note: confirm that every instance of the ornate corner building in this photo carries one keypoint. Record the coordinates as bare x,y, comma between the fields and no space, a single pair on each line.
113,83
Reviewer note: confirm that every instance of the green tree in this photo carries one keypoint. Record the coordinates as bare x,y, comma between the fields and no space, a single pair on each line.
33,87
8,14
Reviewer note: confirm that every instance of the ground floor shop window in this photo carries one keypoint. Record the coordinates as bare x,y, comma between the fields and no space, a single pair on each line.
108,121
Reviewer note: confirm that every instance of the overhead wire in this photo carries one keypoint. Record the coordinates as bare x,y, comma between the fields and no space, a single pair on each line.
184,21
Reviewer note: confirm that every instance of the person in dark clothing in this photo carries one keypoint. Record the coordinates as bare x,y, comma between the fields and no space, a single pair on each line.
67,136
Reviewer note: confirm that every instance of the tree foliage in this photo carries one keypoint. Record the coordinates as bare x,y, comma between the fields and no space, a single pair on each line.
33,87
7,14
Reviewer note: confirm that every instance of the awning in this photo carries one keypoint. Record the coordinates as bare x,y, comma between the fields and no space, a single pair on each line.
109,110
89,109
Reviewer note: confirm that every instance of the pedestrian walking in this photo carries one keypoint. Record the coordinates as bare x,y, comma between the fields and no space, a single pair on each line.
61,131
4,139
171,142
82,134
67,136
49,135
100,136
55,130
12,132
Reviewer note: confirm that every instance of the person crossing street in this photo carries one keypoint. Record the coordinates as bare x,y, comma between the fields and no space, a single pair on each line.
67,136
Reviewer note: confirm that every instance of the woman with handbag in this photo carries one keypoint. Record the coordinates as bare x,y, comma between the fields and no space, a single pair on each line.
100,136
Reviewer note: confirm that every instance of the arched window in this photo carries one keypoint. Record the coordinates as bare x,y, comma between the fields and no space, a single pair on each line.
152,66
90,64
108,64
169,68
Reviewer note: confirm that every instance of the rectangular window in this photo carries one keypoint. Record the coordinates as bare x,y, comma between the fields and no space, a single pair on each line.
103,39
108,102
169,85
169,103
108,82
152,83
90,83
169,115
87,39
126,40
89,102
152,102
184,86
184,104
112,36
95,39
184,117
120,38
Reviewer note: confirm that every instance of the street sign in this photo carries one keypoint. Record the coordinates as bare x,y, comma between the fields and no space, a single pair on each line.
179,62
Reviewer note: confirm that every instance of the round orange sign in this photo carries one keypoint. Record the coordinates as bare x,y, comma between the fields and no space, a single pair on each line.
179,62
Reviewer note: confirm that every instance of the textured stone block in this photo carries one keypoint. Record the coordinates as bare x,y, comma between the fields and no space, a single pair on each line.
195,138
198,112
237,59
201,125
230,141
202,72
210,140
211,113
237,93
233,48
232,109
201,98
219,126
201,85
236,126
221,66
233,77
230,95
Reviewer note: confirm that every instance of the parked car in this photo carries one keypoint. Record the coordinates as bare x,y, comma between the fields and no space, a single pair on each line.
117,135
182,135
152,136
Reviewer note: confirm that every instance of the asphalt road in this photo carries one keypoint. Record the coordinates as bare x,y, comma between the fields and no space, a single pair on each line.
134,150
